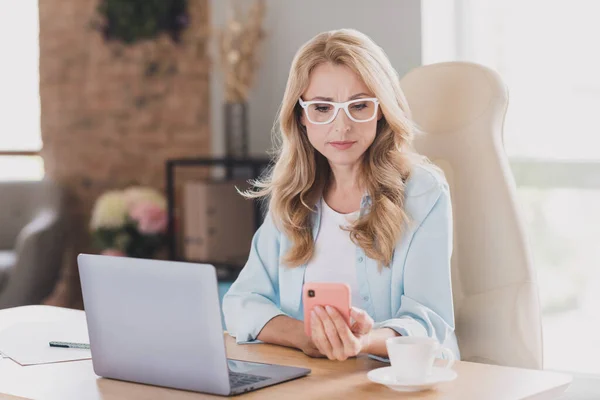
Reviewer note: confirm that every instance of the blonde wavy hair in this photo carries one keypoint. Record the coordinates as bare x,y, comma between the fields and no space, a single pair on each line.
300,173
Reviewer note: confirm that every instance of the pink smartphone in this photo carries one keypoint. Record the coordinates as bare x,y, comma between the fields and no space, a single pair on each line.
325,294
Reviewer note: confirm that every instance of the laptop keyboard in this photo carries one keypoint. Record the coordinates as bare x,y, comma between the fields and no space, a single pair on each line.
238,379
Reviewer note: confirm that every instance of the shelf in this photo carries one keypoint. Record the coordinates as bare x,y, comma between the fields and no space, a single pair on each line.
256,165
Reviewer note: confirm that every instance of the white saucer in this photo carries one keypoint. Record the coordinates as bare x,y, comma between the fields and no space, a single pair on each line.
386,377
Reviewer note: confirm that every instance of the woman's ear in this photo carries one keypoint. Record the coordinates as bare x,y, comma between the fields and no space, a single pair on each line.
379,113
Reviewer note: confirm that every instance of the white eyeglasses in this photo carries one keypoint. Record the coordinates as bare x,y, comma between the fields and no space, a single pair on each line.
321,112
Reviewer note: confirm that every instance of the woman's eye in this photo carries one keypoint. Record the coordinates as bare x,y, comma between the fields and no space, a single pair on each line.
323,108
359,106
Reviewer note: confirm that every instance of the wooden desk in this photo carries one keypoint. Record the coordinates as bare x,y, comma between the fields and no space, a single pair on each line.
328,380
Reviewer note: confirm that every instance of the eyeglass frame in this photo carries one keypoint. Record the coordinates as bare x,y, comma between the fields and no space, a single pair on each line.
337,107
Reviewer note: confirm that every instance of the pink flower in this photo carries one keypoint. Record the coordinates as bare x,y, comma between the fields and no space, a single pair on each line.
151,218
113,252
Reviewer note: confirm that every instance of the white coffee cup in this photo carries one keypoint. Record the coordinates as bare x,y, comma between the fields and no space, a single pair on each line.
412,358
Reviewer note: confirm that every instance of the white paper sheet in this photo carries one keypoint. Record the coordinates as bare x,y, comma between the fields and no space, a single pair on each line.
27,343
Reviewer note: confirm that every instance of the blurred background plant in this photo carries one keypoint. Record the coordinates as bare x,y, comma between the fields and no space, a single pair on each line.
239,42
134,20
130,222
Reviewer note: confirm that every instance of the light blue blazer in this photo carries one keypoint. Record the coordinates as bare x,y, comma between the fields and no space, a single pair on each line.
413,296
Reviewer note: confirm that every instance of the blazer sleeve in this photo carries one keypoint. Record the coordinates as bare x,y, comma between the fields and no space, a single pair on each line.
426,305
253,299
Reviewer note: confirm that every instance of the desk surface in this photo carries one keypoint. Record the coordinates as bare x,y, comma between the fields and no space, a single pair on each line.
329,379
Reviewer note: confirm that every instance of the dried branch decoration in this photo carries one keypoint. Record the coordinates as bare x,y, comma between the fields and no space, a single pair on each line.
239,42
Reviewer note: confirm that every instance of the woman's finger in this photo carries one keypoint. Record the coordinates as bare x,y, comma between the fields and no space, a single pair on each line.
350,342
363,322
318,335
331,333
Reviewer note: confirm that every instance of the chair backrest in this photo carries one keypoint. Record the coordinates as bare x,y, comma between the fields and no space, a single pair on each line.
460,108
20,201
33,224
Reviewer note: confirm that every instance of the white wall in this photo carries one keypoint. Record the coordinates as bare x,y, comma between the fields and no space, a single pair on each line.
395,25
440,26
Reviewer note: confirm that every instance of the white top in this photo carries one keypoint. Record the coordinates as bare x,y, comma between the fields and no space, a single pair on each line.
335,254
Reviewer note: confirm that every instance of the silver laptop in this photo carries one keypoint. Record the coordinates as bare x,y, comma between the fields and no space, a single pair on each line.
159,323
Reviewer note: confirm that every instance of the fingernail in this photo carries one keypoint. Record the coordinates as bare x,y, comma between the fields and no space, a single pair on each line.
313,314
329,309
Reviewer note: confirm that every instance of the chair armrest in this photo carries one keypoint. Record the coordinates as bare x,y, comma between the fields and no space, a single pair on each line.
9,232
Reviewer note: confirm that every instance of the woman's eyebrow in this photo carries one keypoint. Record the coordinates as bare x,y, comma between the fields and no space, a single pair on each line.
323,98
356,96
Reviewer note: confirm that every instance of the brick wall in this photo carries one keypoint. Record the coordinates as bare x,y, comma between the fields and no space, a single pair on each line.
111,114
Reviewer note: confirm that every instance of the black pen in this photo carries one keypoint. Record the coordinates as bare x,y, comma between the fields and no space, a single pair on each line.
70,345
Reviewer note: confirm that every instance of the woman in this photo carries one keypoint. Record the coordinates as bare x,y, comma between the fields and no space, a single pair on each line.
349,201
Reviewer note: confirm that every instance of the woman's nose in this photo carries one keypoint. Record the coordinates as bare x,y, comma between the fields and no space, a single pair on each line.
341,121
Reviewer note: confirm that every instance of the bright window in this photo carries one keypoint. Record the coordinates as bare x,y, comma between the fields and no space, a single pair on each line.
548,54
19,91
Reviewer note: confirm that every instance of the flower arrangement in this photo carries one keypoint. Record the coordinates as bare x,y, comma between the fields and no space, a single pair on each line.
239,41
130,222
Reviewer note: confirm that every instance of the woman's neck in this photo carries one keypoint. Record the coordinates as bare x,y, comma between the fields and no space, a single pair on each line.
344,192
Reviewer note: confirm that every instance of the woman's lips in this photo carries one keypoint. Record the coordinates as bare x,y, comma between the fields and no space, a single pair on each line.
342,145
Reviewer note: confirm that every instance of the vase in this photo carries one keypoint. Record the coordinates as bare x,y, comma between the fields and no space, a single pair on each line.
236,130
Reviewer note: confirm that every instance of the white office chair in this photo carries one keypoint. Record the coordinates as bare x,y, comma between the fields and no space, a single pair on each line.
461,107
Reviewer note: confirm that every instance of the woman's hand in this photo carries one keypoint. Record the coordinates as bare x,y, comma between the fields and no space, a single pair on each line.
333,338
286,331
309,348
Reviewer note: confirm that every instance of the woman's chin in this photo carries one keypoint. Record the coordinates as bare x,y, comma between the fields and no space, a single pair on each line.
342,160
